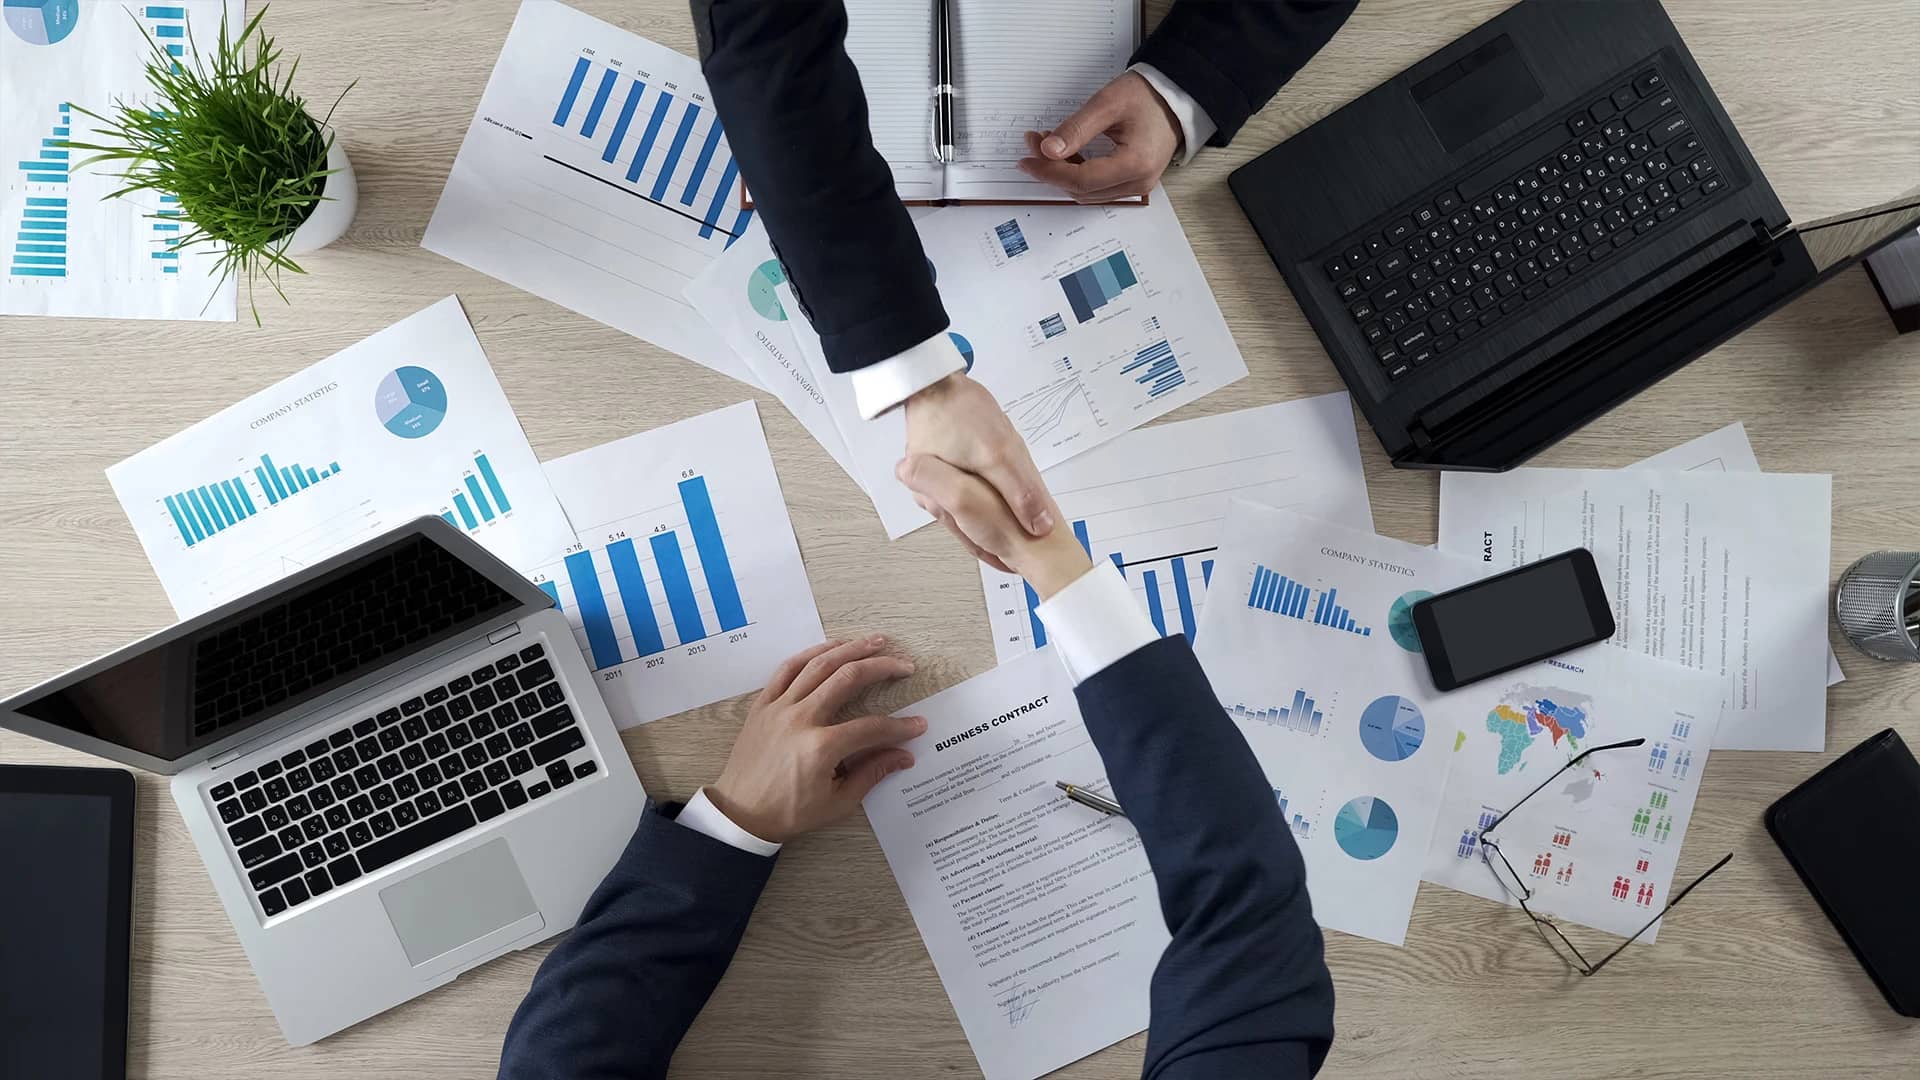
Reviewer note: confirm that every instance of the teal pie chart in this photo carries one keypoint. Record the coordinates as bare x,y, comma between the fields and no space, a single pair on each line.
410,402
1366,828
41,22
1400,620
761,286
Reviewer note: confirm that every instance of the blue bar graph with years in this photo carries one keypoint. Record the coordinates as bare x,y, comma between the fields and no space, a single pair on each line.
1282,595
666,146
40,245
480,499
637,590
1184,601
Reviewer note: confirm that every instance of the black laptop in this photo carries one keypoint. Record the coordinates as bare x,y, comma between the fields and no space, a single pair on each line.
1523,230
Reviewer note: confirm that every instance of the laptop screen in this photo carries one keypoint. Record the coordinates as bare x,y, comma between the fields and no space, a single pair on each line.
185,692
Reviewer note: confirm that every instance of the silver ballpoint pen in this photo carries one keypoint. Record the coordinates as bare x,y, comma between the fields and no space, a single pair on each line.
1088,798
943,91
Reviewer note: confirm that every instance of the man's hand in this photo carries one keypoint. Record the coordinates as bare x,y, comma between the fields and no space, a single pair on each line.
977,515
1145,136
959,422
796,766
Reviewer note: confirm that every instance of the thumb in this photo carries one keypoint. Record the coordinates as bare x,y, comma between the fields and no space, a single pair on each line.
866,770
1075,132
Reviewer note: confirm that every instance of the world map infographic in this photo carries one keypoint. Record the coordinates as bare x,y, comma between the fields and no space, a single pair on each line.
1526,712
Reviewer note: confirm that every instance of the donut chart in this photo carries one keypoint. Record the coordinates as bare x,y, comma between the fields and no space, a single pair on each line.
410,402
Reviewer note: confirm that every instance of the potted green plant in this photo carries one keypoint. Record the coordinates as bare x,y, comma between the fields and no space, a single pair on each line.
258,179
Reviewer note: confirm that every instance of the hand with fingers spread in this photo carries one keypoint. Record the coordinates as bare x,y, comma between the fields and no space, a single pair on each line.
975,513
958,421
1145,132
796,765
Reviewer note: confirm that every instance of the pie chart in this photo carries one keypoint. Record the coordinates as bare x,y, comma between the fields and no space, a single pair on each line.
965,347
1392,728
760,290
411,402
1400,620
1366,828
41,22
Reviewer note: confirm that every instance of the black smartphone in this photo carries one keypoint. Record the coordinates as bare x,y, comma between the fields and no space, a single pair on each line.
1513,619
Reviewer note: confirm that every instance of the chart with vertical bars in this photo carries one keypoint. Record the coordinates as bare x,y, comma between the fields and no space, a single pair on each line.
684,584
1282,595
1151,503
74,247
596,174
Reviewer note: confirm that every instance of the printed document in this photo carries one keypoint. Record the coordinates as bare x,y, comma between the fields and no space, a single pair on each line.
684,583
1040,913
408,422
1598,846
1724,572
1154,501
1309,643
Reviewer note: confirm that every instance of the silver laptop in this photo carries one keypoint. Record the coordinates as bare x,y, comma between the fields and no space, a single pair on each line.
395,765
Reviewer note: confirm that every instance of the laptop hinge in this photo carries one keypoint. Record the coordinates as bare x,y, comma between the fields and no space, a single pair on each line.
503,634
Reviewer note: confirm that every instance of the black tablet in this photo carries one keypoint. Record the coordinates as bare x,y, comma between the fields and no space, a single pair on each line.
66,905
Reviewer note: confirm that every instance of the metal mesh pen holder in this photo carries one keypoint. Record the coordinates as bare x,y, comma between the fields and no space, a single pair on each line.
1878,605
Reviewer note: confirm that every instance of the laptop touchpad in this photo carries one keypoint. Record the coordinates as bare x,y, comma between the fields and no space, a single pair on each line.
476,898
1472,95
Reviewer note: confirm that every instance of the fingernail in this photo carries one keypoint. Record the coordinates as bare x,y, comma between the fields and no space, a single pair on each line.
919,723
1044,522
876,641
1054,145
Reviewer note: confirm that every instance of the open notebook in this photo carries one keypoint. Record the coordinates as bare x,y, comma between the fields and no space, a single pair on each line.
1019,66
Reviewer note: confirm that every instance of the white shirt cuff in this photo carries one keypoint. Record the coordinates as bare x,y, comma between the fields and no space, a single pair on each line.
879,387
1196,127
1095,621
706,819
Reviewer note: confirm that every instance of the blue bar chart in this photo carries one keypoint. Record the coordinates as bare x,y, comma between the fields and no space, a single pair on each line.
166,234
481,497
40,246
1173,572
1304,715
167,24
204,510
669,145
1098,284
1282,595
1156,368
1297,821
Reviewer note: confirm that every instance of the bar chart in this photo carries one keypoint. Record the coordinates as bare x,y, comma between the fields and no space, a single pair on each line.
1013,242
480,499
167,23
201,512
1156,574
1098,284
1156,368
1303,716
1282,595
1301,825
652,131
40,246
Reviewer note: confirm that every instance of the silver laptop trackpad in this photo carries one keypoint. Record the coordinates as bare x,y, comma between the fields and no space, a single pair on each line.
477,899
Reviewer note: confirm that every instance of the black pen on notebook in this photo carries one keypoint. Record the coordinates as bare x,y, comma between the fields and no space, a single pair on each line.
1088,798
942,82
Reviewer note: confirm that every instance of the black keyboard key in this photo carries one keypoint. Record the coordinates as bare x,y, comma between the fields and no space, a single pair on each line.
318,881
317,749
1399,370
291,837
263,850
360,806
1425,216
405,815
336,845
475,756
450,793
312,855
458,736
1394,322
473,783
497,772
497,745
483,674
1653,109
532,652
452,766
270,770
359,833
389,716
460,708
293,757
1388,354
367,749
300,779
381,824
246,780
344,786
460,684
414,728
429,775
275,817
527,705
411,706
295,891
272,903
438,718
424,834
365,727
343,869
276,790
435,746
1647,82
273,873
568,741
1374,244
220,792
519,762
1712,186
391,739
1448,202
1336,266
427,804
340,738
406,787
487,805
344,760
436,695
337,816
551,694
513,795
485,723
539,789
383,796
299,807
560,773
1361,311
482,696
522,735
1623,97
413,756
231,811
391,767
550,722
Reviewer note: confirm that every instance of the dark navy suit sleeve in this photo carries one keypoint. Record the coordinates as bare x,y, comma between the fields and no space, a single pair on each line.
1243,988
796,118
1234,55
618,993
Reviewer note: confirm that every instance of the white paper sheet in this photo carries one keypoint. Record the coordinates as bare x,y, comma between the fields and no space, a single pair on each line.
1157,498
408,422
1725,450
1309,644
72,250
1040,914
684,585
596,175
1599,846
1725,572
1084,322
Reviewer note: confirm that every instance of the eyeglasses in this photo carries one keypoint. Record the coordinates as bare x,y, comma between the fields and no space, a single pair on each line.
1516,887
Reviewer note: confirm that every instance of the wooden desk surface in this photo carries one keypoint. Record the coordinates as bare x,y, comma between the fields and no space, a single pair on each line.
832,980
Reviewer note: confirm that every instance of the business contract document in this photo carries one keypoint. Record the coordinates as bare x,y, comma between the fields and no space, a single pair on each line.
1040,913
1721,571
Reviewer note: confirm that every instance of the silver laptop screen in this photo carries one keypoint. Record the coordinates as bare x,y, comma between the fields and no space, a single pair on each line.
186,691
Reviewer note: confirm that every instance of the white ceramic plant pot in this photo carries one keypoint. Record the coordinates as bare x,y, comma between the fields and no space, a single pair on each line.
339,198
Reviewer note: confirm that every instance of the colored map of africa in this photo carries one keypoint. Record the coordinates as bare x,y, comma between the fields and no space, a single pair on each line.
1526,711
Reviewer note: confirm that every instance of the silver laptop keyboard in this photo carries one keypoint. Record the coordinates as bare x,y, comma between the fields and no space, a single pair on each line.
428,769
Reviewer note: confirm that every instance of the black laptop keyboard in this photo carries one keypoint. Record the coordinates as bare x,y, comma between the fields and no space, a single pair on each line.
1488,246
376,791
